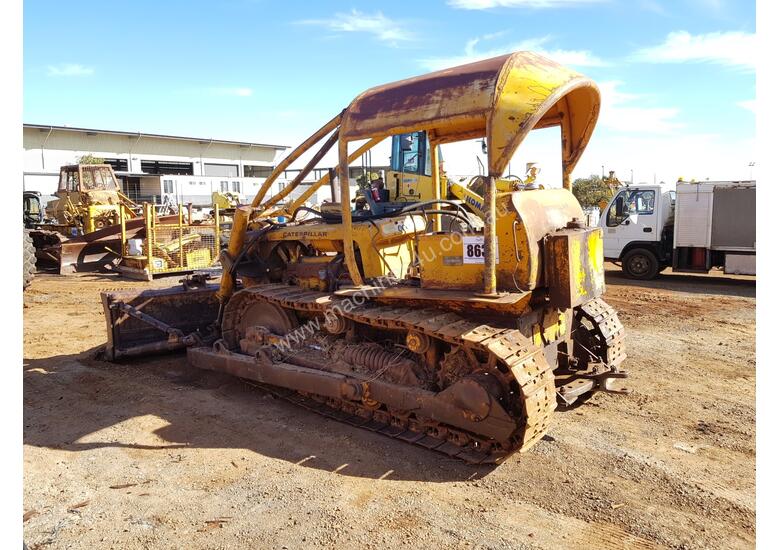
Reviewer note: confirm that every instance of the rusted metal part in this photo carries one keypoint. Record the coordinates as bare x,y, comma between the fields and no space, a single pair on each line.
346,215
195,280
149,320
502,98
446,406
599,349
505,303
532,90
525,374
461,93
609,347
150,348
387,365
139,322
574,266
539,213
451,442
572,387
370,356
418,342
89,252
234,248
490,244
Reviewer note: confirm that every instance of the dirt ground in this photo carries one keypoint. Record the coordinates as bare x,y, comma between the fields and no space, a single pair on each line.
150,454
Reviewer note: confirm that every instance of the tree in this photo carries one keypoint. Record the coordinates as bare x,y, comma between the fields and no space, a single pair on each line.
90,159
591,191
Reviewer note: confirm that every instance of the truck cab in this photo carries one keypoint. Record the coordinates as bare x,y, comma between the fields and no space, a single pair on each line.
638,229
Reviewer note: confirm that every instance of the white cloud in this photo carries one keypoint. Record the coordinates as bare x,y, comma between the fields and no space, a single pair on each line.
576,58
620,112
734,49
69,69
749,104
238,92
381,27
487,4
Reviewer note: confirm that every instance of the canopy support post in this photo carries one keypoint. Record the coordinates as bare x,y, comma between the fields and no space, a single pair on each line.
346,215
435,182
297,152
489,246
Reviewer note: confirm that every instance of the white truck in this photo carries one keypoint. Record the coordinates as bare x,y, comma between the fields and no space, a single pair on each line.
698,227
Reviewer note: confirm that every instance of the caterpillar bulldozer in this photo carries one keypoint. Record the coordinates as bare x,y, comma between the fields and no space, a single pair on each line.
412,322
88,199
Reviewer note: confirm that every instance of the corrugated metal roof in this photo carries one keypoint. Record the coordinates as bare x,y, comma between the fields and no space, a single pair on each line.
156,136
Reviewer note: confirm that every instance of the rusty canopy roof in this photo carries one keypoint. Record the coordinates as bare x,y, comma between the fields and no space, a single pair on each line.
502,98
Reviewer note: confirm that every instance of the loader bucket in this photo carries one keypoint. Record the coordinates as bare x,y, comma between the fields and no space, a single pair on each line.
159,320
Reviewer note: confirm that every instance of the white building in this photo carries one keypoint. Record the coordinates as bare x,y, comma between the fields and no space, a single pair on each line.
151,167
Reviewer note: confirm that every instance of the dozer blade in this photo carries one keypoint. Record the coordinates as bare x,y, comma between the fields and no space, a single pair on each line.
81,256
154,321
94,251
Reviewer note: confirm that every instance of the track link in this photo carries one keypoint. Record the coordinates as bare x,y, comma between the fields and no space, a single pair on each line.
520,366
607,331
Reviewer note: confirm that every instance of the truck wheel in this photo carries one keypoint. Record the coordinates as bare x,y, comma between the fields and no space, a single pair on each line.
641,264
28,259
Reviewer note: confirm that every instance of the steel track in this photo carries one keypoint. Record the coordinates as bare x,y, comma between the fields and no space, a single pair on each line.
514,360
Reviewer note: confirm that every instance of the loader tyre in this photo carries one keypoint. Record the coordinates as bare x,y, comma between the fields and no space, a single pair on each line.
28,259
640,263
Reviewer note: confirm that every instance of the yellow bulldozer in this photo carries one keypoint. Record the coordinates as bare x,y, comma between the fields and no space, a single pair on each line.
88,199
412,321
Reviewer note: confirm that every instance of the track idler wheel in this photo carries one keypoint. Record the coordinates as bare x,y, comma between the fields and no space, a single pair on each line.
476,395
242,314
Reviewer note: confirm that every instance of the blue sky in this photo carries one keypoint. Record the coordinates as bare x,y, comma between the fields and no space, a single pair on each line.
677,78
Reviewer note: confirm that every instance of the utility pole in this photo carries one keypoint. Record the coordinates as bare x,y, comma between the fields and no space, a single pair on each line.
632,176
751,164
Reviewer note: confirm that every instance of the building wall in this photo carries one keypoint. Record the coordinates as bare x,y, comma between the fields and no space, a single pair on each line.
45,152
198,189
